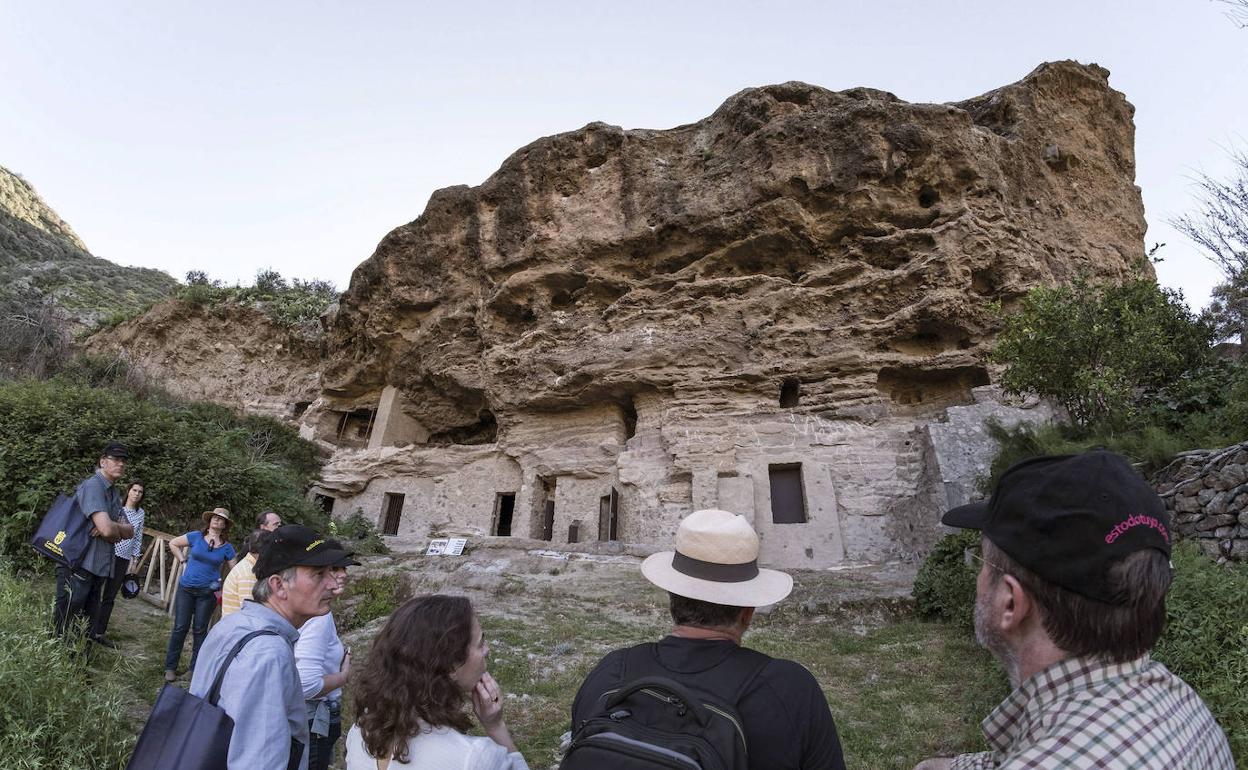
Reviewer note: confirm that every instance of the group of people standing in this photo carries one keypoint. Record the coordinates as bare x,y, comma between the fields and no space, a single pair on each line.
1073,570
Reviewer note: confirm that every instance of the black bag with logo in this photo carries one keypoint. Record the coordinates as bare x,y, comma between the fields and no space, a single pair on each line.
653,721
187,732
64,533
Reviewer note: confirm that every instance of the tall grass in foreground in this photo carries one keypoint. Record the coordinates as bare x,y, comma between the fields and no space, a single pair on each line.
56,712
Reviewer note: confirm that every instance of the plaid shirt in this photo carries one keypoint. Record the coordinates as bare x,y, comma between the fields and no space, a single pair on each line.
1084,713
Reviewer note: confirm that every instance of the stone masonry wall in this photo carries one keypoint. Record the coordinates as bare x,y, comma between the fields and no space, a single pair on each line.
1206,491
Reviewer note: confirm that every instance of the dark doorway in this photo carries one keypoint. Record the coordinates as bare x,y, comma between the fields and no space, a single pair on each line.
574,532
790,393
504,507
788,504
392,509
609,516
326,503
548,521
542,524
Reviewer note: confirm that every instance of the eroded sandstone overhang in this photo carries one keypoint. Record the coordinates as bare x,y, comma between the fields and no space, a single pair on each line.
680,317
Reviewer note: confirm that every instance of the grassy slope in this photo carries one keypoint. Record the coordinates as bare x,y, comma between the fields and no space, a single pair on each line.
39,253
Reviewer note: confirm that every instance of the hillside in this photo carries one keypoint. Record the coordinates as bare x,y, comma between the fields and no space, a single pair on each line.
40,255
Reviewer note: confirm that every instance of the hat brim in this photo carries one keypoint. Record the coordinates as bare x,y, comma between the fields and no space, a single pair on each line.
207,517
348,560
330,557
768,587
969,516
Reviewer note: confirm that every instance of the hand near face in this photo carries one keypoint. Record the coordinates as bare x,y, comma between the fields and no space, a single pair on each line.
487,701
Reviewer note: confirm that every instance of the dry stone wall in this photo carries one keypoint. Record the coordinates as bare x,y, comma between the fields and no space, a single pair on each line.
1206,493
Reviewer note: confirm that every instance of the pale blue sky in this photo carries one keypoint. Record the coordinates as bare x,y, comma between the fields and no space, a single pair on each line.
233,136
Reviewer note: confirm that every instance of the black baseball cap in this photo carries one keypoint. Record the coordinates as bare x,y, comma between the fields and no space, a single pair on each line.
115,449
1070,518
294,545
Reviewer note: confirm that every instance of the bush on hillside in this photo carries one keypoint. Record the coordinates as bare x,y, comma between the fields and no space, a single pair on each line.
1093,348
1206,636
945,585
191,456
359,534
56,714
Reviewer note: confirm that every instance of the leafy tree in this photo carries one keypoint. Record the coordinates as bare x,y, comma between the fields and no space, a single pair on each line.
1221,229
1094,349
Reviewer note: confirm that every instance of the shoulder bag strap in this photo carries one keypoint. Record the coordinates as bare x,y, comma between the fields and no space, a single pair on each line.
214,692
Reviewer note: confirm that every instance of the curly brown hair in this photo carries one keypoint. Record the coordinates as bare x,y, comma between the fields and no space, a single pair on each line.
408,674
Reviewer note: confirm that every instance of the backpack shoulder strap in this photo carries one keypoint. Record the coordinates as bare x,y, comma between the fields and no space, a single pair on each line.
214,692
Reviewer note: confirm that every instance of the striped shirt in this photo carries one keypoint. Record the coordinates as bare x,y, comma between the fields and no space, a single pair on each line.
133,547
237,586
1083,713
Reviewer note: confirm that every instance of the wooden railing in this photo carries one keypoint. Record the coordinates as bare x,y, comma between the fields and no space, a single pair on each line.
163,568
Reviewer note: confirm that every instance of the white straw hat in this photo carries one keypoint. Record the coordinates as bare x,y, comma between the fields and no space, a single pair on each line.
716,560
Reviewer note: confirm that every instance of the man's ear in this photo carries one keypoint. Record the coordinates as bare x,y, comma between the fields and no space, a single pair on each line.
277,589
1017,605
746,617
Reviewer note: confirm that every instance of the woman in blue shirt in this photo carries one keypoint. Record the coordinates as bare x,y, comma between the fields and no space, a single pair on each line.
203,552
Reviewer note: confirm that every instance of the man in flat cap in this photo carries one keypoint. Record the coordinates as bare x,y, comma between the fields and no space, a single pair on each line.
1071,596
714,584
78,591
261,691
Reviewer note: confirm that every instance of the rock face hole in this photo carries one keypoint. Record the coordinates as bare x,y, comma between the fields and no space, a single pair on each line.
914,387
928,196
628,414
790,393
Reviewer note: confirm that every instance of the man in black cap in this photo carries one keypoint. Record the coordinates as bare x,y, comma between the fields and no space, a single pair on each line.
261,691
78,590
1074,569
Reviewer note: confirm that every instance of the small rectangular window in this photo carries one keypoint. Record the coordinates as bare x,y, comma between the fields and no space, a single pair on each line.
326,503
392,509
788,504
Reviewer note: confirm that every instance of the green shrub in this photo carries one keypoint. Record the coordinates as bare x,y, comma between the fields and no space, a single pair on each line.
56,713
359,534
945,585
1091,348
369,598
1206,636
191,456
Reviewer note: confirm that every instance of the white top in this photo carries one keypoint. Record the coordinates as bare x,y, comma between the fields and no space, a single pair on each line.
317,653
442,748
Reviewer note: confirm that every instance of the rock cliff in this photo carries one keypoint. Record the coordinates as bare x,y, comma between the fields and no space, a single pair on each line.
232,354
846,246
41,256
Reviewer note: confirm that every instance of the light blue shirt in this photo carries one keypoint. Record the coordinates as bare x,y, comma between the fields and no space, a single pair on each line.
261,689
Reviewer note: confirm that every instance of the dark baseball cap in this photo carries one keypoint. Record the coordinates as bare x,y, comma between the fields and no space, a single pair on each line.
115,449
1070,518
295,545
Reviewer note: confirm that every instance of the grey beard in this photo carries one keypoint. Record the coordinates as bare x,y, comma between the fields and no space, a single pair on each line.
989,639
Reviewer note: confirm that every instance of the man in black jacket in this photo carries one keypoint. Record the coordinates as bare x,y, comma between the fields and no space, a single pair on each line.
714,584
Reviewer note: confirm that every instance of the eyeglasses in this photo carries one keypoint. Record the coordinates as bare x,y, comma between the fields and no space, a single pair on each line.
976,554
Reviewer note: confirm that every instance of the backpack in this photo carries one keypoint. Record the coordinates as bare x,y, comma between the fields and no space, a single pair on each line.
654,721
64,534
191,733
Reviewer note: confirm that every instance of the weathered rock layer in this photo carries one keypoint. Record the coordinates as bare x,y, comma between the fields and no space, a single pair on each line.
849,242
